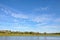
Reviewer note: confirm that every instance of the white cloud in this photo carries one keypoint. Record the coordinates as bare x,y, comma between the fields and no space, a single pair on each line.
47,28
15,20
21,27
4,10
41,24
41,9
44,8
42,18
16,15
36,18
13,13
57,20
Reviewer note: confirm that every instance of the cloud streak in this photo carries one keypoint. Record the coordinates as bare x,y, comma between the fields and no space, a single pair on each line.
16,15
36,18
42,18
57,20
41,9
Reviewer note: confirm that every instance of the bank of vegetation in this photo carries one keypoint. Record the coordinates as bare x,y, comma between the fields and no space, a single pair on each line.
17,33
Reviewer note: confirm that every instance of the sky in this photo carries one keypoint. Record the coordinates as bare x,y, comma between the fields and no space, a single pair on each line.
30,15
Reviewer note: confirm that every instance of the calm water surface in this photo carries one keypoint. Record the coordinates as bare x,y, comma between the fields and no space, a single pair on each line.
29,38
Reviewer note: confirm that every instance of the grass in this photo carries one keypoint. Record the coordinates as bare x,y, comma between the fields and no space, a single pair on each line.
16,34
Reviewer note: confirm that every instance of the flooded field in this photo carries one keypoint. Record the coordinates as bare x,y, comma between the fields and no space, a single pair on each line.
29,38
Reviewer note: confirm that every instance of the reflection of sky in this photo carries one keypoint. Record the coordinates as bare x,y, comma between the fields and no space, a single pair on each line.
32,15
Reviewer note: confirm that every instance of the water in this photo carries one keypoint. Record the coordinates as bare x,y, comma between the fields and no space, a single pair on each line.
29,38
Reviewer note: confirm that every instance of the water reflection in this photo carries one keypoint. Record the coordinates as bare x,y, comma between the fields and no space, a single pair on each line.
29,38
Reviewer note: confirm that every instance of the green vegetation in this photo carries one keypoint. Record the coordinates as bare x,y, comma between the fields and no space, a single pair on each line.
16,33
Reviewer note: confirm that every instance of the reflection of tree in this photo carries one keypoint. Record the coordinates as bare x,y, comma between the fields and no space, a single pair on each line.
45,35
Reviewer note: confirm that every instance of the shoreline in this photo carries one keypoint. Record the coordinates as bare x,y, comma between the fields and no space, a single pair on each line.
17,33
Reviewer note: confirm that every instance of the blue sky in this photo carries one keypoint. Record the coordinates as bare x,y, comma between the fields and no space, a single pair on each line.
30,15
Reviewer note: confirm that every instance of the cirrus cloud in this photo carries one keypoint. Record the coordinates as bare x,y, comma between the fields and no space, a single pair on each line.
19,15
